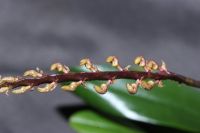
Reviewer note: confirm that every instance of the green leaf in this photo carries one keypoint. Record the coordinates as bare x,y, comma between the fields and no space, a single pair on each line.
175,105
90,122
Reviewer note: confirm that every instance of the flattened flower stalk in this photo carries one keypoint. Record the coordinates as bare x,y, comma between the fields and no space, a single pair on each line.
152,76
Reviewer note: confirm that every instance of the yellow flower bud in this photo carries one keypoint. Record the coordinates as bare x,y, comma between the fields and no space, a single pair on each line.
151,65
8,79
56,67
114,61
85,61
4,89
60,68
72,86
139,61
104,86
101,90
132,88
147,85
68,88
110,59
88,64
47,88
32,73
151,82
23,89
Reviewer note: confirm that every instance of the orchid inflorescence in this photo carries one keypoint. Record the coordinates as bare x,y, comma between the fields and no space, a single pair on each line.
34,79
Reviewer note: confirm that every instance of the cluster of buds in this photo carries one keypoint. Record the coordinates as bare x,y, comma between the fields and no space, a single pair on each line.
10,83
33,74
103,88
147,85
150,65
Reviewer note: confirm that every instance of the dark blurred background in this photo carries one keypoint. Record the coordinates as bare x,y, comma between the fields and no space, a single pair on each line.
40,32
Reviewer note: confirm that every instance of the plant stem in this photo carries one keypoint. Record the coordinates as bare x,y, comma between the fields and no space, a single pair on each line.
89,76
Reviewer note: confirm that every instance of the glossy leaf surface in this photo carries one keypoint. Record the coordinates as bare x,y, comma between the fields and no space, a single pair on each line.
175,105
90,122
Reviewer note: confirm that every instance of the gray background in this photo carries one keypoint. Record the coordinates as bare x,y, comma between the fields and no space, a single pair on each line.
39,32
